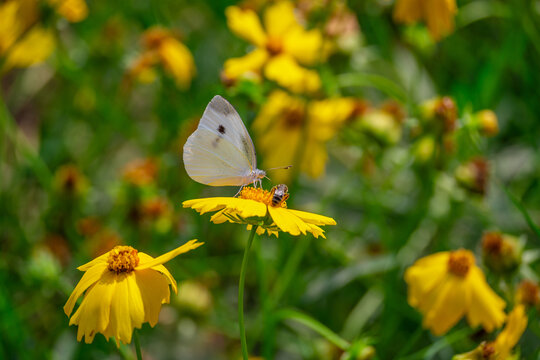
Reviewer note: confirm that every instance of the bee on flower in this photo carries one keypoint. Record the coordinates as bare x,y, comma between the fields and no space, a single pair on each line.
263,209
282,48
123,289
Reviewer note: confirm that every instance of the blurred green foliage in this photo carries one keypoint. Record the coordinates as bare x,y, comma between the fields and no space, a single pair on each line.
78,110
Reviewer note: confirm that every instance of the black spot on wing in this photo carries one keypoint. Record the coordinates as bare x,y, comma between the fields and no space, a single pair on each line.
221,129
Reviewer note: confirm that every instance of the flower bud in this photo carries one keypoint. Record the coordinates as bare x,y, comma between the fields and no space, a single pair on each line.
473,175
382,126
501,252
442,112
486,121
424,149
528,293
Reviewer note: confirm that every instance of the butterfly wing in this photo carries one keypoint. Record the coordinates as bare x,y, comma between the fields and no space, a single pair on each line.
220,152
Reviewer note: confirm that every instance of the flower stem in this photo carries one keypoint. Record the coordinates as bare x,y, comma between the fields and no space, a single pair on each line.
137,344
241,294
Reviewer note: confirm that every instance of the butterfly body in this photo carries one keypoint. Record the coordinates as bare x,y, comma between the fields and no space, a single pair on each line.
220,152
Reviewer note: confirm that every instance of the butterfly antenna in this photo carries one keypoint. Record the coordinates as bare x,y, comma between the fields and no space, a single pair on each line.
280,167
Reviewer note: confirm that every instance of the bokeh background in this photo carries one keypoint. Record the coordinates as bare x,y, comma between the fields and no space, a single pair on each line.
94,115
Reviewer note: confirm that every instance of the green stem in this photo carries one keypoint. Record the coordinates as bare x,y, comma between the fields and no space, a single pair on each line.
241,294
137,344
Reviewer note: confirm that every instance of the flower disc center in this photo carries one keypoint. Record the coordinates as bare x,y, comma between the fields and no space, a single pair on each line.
123,259
260,195
460,262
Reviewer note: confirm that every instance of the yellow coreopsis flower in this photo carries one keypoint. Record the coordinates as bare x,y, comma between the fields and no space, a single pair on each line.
254,207
162,47
294,132
446,286
124,289
23,41
281,46
501,348
438,14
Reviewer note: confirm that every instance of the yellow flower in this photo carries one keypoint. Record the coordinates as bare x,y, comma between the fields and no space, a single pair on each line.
254,207
509,337
161,47
23,41
438,14
446,286
281,47
124,289
501,348
294,132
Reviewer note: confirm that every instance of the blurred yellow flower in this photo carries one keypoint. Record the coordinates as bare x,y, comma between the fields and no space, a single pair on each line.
438,14
162,47
124,289
294,132
254,207
23,41
446,286
281,46
69,180
501,348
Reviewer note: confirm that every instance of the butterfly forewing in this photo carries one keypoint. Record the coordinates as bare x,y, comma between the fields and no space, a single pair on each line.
220,152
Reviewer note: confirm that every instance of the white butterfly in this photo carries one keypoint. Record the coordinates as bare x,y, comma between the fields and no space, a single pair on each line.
220,152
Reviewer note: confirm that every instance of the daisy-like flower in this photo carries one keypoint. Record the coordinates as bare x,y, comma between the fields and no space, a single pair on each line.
281,47
446,286
438,14
501,348
23,41
293,131
254,207
124,289
162,47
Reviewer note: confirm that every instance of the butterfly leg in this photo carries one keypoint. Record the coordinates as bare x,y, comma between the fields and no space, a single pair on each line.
241,187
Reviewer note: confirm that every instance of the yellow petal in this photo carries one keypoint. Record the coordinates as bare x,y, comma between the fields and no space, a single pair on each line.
287,222
514,328
244,207
245,23
284,70
10,26
452,302
312,218
72,10
248,66
154,290
177,59
145,263
89,278
305,46
34,48
315,158
279,19
120,320
486,307
93,314
408,11
102,259
423,277
439,16
135,302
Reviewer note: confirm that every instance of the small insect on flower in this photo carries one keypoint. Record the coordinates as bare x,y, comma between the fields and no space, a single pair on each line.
279,194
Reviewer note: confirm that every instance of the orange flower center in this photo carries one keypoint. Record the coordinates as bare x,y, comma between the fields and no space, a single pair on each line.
492,243
274,46
260,195
529,293
294,117
460,262
123,259
488,351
